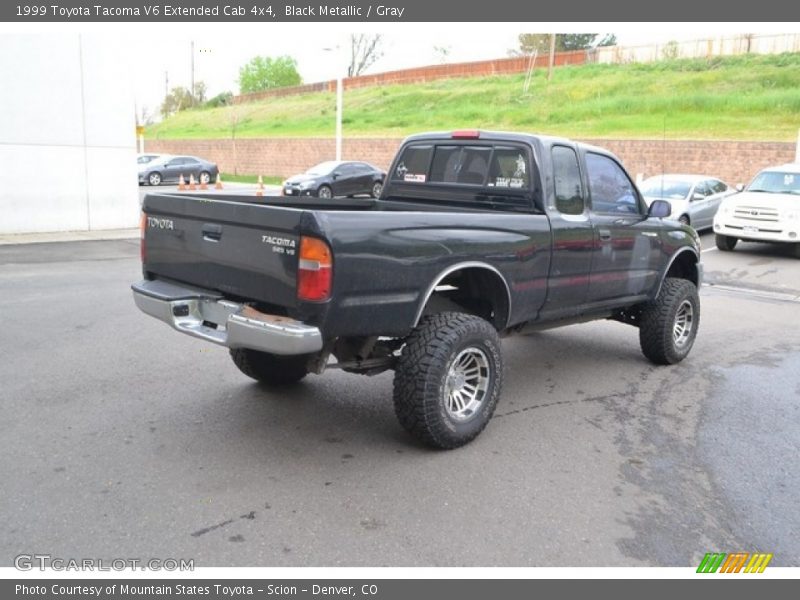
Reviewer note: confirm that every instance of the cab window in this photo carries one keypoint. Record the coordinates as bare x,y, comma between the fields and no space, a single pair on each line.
413,164
460,164
612,192
567,179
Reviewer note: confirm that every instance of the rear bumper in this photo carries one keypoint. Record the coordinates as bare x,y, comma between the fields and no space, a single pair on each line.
207,315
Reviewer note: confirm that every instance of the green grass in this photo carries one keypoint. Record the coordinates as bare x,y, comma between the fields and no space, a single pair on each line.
743,97
267,179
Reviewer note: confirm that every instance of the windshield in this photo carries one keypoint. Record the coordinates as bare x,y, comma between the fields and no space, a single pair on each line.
776,182
656,187
323,168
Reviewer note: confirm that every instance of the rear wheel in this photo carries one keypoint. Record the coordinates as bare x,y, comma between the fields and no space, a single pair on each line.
377,188
324,191
154,179
448,379
268,368
725,243
668,325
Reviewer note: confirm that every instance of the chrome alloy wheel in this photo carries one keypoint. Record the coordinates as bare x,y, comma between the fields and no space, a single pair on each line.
683,325
467,383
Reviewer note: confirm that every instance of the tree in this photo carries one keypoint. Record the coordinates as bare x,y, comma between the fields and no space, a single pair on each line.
180,98
531,42
365,50
222,99
264,73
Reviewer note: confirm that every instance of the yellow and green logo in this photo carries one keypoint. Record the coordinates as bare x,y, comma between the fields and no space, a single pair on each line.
738,562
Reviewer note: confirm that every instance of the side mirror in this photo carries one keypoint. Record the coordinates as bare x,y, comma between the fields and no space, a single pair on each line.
659,209
739,187
336,175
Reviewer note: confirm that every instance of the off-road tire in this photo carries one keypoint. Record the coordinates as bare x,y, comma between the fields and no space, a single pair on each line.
420,382
270,368
726,243
658,320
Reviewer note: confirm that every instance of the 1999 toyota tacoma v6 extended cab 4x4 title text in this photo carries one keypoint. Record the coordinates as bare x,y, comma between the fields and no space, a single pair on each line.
475,235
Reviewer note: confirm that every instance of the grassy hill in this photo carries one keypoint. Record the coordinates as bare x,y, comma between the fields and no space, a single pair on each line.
744,97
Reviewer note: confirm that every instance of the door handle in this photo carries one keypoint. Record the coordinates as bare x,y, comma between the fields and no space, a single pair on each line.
212,232
605,234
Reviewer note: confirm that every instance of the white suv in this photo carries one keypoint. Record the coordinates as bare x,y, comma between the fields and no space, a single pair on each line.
768,210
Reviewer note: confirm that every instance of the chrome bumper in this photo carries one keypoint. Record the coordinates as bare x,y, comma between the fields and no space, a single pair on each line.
208,316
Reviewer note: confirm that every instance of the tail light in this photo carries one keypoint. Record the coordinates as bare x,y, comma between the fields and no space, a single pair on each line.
142,247
315,270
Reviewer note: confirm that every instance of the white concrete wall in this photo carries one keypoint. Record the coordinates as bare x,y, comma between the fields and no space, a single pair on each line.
67,139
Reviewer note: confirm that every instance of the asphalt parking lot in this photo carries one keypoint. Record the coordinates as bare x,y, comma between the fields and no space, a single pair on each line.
121,438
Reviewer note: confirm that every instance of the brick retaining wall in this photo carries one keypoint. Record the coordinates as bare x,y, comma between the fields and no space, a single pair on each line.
732,161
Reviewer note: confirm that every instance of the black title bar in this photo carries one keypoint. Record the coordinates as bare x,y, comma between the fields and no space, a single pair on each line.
360,11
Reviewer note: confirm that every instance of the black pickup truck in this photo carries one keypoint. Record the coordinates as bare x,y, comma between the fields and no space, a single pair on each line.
476,235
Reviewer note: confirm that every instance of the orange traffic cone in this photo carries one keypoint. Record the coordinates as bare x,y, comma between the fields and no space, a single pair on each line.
218,184
192,185
260,190
203,184
181,184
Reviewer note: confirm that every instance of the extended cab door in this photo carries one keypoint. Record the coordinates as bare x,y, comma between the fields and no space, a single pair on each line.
627,246
573,237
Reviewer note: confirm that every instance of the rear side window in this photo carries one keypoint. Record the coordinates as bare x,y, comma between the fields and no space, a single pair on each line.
413,164
701,189
717,187
612,191
460,164
567,178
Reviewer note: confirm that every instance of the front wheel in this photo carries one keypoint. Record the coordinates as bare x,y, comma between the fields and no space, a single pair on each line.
154,179
668,325
269,368
205,177
325,192
684,220
725,243
448,379
377,188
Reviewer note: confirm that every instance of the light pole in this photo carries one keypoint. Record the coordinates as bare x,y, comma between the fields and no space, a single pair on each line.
339,105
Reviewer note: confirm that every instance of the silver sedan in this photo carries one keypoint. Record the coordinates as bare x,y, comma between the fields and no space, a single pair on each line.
694,198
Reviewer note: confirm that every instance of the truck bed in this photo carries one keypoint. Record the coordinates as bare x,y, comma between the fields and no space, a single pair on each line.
246,248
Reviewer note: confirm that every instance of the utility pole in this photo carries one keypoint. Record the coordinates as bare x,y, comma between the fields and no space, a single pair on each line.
166,84
552,56
191,89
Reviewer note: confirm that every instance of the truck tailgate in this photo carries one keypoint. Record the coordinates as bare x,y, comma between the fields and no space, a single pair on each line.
236,248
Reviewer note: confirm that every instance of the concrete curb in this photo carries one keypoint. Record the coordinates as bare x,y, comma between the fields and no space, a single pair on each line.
68,236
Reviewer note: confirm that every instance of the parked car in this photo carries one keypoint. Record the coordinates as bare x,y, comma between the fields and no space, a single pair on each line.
143,159
336,178
694,198
768,210
168,169
476,235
